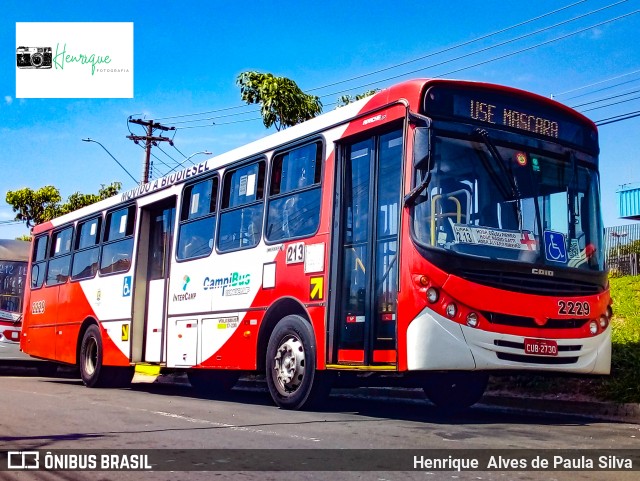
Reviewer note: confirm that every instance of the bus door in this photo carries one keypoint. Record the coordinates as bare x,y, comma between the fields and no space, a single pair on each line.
366,249
155,241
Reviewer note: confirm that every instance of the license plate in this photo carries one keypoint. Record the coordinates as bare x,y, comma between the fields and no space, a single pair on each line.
541,347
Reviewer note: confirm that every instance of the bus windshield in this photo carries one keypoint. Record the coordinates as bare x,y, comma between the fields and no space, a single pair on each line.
511,204
12,280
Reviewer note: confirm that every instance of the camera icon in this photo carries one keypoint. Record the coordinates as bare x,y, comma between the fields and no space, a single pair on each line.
33,57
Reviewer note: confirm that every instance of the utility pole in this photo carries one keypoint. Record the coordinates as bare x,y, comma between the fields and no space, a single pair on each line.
150,140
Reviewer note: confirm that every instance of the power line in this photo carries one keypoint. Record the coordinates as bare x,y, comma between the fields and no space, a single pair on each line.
603,89
500,57
612,103
420,58
617,118
605,98
463,44
595,83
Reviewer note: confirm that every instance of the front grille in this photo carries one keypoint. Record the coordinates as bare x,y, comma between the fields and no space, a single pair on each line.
530,284
520,321
520,345
536,359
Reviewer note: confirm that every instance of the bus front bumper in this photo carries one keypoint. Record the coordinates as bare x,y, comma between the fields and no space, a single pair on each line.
437,343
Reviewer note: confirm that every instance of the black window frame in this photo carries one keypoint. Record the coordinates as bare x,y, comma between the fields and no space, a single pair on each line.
185,220
79,250
317,185
225,194
128,237
53,257
40,263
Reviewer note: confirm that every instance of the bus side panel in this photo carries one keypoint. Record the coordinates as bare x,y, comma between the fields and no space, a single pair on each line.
112,355
73,308
39,326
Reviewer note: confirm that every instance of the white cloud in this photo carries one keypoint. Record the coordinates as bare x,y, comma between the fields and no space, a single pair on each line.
8,99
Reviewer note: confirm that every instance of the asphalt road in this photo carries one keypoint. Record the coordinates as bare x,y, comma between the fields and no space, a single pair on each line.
60,413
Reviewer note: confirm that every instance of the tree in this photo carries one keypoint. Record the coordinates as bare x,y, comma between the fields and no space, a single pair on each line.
282,103
41,205
347,99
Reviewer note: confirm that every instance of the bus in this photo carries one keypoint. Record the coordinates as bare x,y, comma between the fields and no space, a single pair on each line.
429,235
14,257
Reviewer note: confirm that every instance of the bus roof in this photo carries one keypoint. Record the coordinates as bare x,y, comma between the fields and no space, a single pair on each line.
409,91
14,250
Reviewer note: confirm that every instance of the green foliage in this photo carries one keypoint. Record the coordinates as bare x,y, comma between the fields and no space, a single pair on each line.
624,383
347,99
25,237
624,249
282,103
36,206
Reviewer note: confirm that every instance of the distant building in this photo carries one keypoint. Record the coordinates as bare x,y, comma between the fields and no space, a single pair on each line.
629,201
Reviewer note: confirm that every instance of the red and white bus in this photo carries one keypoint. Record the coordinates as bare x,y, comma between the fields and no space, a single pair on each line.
427,235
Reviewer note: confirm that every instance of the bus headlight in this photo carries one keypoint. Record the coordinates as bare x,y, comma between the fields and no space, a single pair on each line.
603,322
432,295
593,327
472,319
451,310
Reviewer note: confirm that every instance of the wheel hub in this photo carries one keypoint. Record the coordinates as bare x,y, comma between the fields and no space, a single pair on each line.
289,365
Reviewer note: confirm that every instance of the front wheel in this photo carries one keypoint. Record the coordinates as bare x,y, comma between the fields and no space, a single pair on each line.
455,390
292,377
92,371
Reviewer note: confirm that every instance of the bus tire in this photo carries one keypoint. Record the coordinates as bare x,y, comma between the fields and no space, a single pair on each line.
455,390
212,383
92,370
292,377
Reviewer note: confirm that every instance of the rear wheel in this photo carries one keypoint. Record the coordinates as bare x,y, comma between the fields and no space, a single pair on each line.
292,377
212,383
455,390
92,370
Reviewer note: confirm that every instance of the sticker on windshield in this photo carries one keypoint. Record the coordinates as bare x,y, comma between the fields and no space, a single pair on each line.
507,239
555,246
574,249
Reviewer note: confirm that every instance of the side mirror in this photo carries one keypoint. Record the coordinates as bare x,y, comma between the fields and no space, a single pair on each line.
421,146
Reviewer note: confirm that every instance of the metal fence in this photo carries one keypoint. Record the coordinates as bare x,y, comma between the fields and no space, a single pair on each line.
622,249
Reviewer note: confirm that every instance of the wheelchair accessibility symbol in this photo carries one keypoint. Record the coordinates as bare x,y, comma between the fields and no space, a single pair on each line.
555,246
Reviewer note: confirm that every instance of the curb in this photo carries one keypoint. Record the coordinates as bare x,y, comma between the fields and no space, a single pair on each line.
604,411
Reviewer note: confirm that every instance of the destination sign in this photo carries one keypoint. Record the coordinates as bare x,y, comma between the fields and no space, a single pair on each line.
508,110
493,114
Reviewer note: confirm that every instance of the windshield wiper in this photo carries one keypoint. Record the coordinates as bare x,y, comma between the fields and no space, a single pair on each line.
413,195
506,173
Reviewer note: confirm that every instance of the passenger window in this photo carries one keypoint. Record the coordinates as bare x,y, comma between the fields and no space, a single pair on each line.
59,257
86,250
117,249
39,266
197,220
242,207
294,195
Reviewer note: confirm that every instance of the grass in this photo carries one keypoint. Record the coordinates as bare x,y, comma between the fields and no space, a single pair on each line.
623,385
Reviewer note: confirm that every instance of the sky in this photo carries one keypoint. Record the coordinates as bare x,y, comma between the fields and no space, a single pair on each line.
188,54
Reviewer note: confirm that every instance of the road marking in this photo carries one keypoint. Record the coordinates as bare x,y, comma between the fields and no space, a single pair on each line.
233,427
